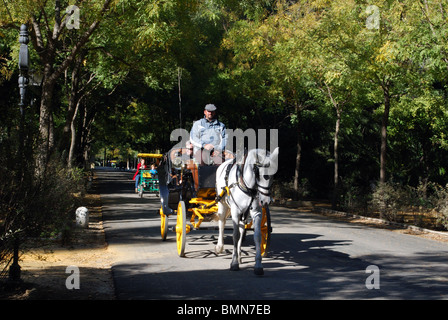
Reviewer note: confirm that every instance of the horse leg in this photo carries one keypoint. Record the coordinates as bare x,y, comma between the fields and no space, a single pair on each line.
240,240
234,266
257,240
222,214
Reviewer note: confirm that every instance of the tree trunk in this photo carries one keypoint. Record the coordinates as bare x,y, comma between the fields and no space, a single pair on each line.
81,138
338,107
65,145
71,151
384,124
46,141
47,52
336,159
298,154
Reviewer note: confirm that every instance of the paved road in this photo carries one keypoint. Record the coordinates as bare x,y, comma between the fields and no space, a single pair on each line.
312,257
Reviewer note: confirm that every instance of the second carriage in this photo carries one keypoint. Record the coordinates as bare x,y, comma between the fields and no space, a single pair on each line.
187,190
148,181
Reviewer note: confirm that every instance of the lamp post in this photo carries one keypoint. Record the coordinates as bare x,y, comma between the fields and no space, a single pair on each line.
14,269
24,58
23,66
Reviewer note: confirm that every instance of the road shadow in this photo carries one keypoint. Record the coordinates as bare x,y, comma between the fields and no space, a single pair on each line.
307,273
288,274
300,265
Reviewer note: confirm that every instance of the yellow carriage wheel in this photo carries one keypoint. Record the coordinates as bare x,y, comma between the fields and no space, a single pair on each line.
266,230
163,224
181,228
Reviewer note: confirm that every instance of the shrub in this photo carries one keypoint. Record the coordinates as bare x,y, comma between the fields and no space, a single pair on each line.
354,198
389,199
439,200
393,200
285,190
39,205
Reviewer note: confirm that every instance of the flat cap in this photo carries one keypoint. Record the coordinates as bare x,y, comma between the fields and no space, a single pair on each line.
210,107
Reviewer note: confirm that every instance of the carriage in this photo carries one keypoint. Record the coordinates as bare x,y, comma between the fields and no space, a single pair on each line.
188,190
149,181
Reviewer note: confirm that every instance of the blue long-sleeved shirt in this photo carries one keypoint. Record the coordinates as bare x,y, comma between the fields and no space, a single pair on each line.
208,132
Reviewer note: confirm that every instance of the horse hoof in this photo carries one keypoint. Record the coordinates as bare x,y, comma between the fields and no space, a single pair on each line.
219,249
259,271
234,267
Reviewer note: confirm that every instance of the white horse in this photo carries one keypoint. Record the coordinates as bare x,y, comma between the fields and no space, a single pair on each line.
249,186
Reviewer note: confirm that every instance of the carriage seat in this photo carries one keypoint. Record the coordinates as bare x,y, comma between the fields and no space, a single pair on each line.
204,176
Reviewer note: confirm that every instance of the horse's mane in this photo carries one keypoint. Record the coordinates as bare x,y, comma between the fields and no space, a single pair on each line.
263,159
258,157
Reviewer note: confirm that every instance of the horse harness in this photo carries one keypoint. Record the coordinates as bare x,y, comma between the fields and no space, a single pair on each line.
252,192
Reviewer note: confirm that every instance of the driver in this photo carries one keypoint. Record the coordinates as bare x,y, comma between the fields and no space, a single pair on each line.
209,138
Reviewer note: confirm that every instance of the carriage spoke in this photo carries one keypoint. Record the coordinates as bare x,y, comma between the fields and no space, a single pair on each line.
265,231
181,228
163,224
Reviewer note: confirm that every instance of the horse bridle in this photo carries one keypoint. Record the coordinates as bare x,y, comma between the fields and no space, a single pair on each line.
268,188
243,185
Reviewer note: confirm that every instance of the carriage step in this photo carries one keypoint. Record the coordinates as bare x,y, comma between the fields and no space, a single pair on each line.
213,228
173,228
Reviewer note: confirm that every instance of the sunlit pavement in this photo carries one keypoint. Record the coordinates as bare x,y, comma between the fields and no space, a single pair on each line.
311,256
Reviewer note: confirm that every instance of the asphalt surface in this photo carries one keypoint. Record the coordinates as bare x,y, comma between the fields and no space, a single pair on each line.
311,257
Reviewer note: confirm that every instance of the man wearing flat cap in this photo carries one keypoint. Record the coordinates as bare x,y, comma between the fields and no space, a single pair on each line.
208,134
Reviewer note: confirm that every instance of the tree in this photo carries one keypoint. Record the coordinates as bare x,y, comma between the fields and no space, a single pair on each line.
386,63
48,23
330,67
269,63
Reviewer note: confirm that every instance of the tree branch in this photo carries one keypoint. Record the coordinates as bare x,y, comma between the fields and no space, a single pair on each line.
38,43
57,20
82,41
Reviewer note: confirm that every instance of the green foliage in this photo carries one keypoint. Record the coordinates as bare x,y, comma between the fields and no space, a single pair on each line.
298,66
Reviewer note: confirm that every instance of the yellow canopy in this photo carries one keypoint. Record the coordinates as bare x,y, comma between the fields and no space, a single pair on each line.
150,155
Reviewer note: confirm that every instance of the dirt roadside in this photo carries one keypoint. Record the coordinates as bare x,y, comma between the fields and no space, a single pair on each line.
43,269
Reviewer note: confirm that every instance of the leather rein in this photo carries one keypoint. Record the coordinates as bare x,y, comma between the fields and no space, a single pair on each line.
242,185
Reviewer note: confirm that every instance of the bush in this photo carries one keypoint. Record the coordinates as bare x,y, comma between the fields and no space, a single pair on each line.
39,205
285,190
353,198
389,199
439,200
393,200
443,217
32,203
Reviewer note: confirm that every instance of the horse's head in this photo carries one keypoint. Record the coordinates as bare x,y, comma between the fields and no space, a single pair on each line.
266,166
